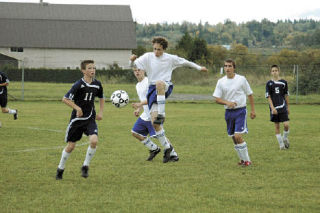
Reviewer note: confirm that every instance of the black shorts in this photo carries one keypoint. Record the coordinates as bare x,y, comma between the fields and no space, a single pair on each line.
3,101
77,128
280,117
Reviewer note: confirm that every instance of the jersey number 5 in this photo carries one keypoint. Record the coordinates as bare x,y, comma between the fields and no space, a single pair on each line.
277,90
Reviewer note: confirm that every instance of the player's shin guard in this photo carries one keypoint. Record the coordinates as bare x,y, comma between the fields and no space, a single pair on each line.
64,157
162,138
161,100
243,150
89,155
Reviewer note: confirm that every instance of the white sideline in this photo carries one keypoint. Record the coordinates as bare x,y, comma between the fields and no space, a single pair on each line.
50,130
47,148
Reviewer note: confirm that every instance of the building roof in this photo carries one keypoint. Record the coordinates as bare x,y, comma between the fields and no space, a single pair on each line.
66,26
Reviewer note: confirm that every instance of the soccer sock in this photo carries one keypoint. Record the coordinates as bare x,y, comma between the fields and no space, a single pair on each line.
238,152
89,155
243,150
285,134
161,99
162,138
149,144
279,138
64,157
12,111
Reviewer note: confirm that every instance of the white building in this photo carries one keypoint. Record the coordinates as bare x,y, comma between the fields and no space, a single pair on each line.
61,36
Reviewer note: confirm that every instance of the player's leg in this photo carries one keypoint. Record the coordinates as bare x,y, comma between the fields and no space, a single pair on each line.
64,157
230,121
278,135
173,154
5,109
161,98
141,130
73,133
161,137
285,134
240,128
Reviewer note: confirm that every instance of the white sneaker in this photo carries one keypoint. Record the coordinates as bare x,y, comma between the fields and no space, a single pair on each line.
286,143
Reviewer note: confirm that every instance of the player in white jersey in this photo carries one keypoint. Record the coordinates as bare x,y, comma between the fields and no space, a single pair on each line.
232,91
143,126
159,66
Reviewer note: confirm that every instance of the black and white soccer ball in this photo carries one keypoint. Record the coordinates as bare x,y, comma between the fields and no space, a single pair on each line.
119,98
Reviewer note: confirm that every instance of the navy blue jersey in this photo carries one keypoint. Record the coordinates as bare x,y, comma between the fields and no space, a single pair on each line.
3,79
277,90
83,95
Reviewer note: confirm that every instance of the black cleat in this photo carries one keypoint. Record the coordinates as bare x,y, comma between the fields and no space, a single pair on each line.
153,153
15,115
85,171
59,174
166,155
174,158
159,120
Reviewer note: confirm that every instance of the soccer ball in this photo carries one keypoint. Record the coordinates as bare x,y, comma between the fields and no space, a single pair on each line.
119,98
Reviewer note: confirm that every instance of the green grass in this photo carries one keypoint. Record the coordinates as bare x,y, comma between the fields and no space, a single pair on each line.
35,91
206,179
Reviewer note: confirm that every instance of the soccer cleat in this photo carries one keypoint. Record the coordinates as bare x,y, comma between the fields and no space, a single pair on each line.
59,174
286,143
153,153
247,163
241,163
85,171
15,115
282,147
174,158
166,155
159,120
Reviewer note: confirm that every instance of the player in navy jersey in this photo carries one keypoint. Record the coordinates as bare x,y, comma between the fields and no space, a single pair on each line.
81,99
4,82
277,95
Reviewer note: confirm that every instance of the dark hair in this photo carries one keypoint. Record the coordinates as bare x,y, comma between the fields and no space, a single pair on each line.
84,64
160,40
276,66
231,61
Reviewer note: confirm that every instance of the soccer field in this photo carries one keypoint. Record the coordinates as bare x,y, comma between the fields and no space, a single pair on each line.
206,179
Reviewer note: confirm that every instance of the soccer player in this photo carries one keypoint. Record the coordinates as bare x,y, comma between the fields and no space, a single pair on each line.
81,99
143,126
4,82
231,91
159,66
278,98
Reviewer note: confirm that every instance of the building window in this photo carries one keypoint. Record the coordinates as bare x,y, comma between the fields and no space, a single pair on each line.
16,49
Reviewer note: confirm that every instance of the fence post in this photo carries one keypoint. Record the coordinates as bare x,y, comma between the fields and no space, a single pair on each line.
22,81
297,82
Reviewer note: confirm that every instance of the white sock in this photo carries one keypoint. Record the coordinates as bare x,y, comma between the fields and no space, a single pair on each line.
243,150
89,155
280,141
12,111
149,144
238,152
285,134
162,138
161,99
64,157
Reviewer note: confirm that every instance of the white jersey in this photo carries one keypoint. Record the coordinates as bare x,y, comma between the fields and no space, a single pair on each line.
160,68
235,90
142,90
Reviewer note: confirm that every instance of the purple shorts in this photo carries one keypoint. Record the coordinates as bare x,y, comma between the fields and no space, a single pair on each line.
236,121
143,128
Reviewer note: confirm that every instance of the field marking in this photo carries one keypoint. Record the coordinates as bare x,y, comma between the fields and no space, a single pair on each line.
40,129
48,148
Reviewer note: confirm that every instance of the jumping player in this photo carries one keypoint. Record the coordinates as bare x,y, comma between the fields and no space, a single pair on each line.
159,66
143,126
81,99
278,98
